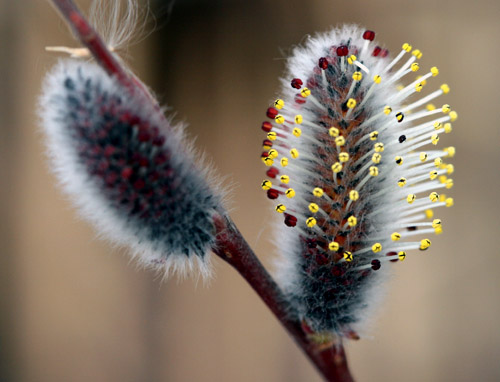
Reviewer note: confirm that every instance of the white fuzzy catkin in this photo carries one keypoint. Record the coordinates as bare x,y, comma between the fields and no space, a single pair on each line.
126,169
354,170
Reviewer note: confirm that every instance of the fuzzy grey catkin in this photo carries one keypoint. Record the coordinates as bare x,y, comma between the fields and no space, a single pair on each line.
127,169
348,174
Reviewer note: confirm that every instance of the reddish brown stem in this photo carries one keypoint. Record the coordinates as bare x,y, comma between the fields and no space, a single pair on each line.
230,245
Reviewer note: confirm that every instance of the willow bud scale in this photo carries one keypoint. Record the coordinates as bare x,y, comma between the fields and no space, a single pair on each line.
354,169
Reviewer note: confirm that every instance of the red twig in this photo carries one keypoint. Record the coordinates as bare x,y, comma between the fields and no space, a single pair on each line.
230,245
232,248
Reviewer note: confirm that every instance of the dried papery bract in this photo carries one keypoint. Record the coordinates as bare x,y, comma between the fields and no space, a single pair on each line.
129,172
354,172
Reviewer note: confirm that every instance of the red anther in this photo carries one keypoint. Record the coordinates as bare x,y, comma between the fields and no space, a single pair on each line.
139,184
392,254
143,135
337,271
369,35
264,154
299,99
272,172
290,220
273,193
384,53
297,83
267,126
144,162
375,264
271,112
267,142
311,243
376,51
159,140
321,259
109,150
110,178
342,51
323,63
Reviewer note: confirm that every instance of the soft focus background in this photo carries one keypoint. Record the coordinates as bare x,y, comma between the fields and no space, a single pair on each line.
74,309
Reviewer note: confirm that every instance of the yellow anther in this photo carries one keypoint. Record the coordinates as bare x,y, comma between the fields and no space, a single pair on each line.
268,161
429,214
337,167
401,255
290,193
445,88
450,151
438,162
266,184
297,132
453,115
449,202
399,160
280,208
348,256
430,107
450,169
373,170
351,59
443,179
273,153
437,125
377,79
378,147
417,53
435,139
387,110
423,157
311,222
419,86
318,192
442,197
354,195
407,47
400,87
438,230
279,119
271,136
424,244
352,221
433,174
374,135
377,247
434,196
449,183
402,182
284,161
313,207
294,153
333,131
446,108
351,103
279,103
284,179
376,158
343,157
395,236
298,119
423,82
436,223
305,92
400,116
434,71
357,76
447,128
415,66
340,141
411,198
333,246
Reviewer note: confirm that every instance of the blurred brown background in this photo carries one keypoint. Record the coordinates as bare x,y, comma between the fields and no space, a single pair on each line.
74,309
